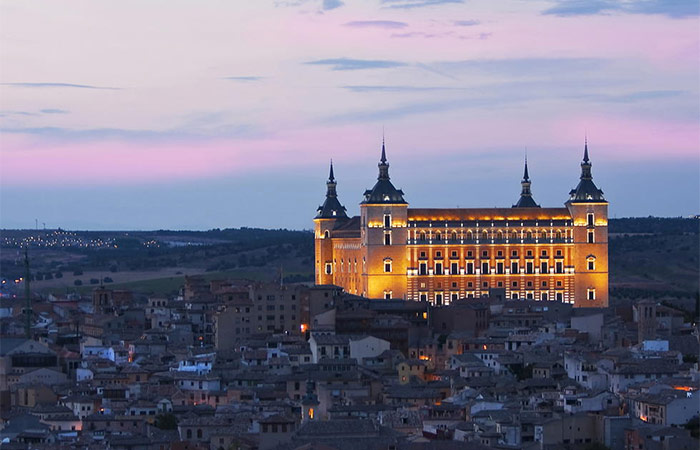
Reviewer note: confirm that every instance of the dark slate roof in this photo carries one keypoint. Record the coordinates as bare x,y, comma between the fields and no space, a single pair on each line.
331,208
526,200
586,191
383,190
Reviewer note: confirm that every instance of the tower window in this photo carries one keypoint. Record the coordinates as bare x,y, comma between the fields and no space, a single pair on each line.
387,220
387,238
591,263
590,219
387,266
591,237
387,295
329,268
591,294
326,234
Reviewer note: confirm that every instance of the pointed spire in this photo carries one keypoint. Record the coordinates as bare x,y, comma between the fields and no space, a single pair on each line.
330,175
526,200
331,208
383,164
586,191
526,176
383,158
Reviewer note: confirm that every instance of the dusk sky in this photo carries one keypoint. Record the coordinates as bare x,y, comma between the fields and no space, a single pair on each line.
217,114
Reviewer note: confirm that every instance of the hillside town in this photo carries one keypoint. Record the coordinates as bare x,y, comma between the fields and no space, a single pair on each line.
239,364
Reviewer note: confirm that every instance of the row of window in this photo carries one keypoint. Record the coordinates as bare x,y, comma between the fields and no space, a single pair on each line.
498,269
444,299
486,235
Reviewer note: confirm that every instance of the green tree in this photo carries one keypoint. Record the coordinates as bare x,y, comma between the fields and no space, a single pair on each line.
166,421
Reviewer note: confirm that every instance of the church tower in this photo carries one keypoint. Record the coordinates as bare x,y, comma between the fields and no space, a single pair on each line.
589,212
526,200
383,234
327,218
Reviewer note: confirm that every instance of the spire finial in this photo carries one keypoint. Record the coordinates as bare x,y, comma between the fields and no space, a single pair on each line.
585,149
383,158
330,175
526,176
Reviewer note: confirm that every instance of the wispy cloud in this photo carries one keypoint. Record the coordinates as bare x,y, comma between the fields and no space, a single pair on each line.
249,78
387,24
332,4
356,64
466,23
8,113
360,88
54,111
407,4
59,85
670,8
524,66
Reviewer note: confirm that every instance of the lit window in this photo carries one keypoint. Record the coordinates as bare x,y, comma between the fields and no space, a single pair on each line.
329,268
387,295
590,219
591,263
387,265
591,294
591,237
387,220
387,238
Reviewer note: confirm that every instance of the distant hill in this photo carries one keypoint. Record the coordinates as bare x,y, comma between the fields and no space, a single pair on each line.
649,257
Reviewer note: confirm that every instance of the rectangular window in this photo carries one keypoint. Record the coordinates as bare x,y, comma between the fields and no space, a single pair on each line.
454,269
591,237
544,296
559,267
590,219
485,268
438,299
387,220
544,267
454,296
423,269
514,295
329,269
529,268
591,264
470,268
514,268
591,294
387,266
387,295
438,268
424,297
499,268
387,238
560,296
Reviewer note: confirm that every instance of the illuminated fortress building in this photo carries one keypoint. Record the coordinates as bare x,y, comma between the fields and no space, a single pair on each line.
442,255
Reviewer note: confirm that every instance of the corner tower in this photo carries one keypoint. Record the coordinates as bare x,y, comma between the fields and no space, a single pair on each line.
383,234
327,217
589,212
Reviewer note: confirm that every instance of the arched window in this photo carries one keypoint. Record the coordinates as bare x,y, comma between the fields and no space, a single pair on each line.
454,236
543,234
199,433
558,234
514,235
499,235
484,235
470,235
528,235
421,236
189,433
438,236
590,262
327,234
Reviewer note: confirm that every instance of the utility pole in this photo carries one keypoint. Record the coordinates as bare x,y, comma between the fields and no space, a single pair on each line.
27,295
